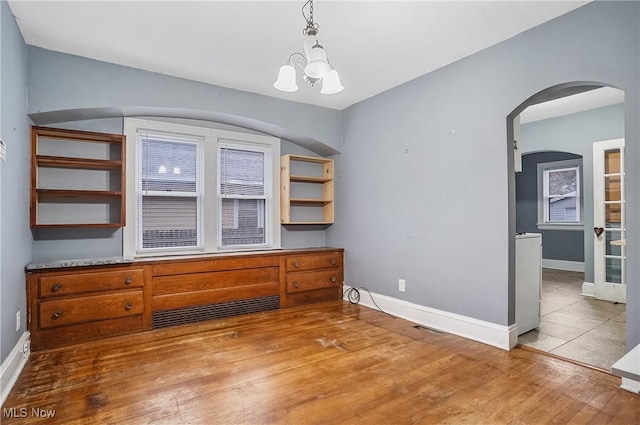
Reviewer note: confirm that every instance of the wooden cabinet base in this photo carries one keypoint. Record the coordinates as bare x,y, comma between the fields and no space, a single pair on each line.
73,305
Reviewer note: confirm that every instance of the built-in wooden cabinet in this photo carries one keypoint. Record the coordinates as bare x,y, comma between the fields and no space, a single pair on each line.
77,178
72,304
313,277
306,190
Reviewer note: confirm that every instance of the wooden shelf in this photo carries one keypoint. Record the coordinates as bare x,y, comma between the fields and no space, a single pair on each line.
64,193
310,201
306,182
75,190
77,163
309,179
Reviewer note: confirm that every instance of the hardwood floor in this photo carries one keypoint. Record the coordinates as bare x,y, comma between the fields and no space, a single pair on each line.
330,363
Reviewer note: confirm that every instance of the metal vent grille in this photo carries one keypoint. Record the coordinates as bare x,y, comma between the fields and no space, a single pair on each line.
163,319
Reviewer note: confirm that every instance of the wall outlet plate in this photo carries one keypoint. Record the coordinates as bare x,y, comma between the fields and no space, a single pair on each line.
401,285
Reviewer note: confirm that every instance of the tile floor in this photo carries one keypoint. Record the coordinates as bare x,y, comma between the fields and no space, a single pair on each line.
576,327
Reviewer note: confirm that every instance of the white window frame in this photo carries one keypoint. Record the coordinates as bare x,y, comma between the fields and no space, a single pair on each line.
209,207
268,193
198,194
543,195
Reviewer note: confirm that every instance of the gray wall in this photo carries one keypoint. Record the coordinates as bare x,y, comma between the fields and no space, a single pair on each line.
59,82
565,245
16,247
576,133
426,182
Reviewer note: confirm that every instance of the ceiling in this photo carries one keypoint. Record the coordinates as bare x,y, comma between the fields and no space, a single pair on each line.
374,45
596,98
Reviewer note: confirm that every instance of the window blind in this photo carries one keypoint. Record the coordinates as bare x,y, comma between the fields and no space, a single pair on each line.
169,192
243,196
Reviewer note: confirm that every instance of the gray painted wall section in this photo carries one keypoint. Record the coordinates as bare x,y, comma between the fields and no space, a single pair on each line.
576,133
567,245
425,190
59,82
16,249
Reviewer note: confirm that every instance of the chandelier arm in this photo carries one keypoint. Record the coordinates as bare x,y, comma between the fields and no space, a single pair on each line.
301,62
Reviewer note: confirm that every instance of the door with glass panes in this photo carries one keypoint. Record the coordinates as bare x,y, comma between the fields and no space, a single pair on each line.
608,220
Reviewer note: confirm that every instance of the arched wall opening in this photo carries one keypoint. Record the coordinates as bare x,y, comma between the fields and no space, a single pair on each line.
548,94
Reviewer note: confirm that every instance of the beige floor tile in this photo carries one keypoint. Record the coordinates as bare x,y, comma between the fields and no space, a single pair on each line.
542,342
592,309
594,348
575,327
572,320
559,331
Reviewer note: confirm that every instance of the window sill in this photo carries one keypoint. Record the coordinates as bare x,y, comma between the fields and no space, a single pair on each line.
561,226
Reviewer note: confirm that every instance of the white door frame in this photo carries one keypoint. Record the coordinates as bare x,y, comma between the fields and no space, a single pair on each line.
616,292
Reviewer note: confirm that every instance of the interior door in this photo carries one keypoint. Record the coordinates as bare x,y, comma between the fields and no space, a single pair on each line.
608,220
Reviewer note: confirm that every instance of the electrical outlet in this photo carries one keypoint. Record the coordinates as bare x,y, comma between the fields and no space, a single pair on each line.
401,284
18,321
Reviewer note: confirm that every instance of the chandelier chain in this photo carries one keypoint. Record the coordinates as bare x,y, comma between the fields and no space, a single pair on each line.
309,20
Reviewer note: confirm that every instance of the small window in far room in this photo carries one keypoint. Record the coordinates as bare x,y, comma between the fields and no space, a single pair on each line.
559,194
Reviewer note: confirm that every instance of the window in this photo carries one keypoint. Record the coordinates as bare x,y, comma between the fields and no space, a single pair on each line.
243,195
193,189
559,193
168,190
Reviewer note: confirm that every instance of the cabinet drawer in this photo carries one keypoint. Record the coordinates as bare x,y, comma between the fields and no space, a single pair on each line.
311,262
309,281
70,311
78,283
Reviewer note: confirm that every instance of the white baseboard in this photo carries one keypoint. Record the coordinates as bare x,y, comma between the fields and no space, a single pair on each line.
630,385
588,289
570,266
12,366
504,337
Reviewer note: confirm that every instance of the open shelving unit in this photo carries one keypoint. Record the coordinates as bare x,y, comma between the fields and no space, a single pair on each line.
77,179
307,190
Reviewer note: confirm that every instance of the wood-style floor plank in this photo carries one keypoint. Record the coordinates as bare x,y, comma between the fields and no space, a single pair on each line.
329,363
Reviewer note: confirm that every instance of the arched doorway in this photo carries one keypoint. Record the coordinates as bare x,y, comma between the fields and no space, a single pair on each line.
564,332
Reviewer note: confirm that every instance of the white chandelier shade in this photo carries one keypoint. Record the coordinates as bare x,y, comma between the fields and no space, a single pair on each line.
314,64
286,79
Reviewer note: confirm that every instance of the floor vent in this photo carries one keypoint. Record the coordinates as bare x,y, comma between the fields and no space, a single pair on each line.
163,319
430,330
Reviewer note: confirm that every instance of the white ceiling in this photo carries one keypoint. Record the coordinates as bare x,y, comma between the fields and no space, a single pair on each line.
584,101
374,45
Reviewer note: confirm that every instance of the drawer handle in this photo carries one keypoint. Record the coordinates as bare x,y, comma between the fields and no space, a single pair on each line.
333,279
295,284
127,306
56,287
56,315
295,264
128,280
333,262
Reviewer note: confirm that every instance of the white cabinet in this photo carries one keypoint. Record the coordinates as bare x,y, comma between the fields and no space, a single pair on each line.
528,281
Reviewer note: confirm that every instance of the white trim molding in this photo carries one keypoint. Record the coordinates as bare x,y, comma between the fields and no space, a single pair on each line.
13,364
504,337
588,289
630,385
570,266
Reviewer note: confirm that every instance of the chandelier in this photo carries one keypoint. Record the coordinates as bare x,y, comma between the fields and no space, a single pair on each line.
314,64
